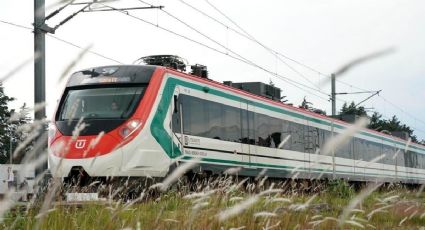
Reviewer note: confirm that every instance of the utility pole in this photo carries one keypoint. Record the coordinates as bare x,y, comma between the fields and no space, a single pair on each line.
333,95
333,98
40,61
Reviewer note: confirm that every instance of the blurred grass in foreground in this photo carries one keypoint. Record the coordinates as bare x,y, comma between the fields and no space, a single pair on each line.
385,209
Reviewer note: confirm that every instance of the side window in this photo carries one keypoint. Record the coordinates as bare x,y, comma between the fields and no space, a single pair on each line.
275,134
389,153
231,124
297,137
367,151
195,119
215,117
262,130
286,131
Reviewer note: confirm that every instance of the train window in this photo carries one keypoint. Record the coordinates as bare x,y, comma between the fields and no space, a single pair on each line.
421,159
286,131
389,153
297,137
215,117
398,157
231,124
376,151
275,132
326,136
101,103
251,130
262,130
357,148
410,159
244,127
195,117
369,152
343,150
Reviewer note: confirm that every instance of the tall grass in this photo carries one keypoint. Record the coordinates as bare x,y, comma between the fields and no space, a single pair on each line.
217,210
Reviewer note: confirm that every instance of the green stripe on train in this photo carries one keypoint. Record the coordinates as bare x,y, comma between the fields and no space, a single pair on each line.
289,168
165,140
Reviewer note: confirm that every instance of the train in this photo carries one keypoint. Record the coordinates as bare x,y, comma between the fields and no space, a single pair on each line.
138,120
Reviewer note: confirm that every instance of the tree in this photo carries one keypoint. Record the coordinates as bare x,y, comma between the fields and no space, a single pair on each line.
4,126
376,122
390,126
18,125
309,106
352,110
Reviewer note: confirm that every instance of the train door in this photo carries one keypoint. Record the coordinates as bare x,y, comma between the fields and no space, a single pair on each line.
176,124
247,129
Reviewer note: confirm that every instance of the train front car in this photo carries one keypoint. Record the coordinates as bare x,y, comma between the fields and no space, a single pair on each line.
102,122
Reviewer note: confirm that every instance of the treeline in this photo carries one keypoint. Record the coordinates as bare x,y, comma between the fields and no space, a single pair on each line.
378,123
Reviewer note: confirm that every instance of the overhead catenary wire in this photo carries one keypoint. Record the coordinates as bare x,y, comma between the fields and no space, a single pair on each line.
16,25
89,51
64,41
223,46
249,37
247,60
253,40
385,100
288,80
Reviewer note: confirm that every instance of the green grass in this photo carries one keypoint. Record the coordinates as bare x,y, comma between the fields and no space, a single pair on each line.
172,211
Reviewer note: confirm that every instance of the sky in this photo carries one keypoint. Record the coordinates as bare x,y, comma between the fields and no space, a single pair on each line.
321,34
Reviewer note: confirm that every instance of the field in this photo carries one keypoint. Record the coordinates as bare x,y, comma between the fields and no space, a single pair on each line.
236,205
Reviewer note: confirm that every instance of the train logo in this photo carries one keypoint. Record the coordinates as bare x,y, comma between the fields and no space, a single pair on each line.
80,144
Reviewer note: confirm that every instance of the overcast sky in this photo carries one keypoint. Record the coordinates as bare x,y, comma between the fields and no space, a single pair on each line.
322,34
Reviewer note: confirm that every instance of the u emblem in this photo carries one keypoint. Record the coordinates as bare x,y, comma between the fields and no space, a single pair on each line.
79,144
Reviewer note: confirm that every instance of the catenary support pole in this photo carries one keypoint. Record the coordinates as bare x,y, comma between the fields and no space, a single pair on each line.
40,75
40,61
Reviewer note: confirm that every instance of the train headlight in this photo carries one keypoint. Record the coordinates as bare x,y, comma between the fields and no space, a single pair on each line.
130,127
52,132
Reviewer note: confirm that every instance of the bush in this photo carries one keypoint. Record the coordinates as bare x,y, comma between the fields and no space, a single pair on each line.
340,188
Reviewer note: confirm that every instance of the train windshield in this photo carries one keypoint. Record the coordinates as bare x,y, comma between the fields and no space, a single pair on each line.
101,103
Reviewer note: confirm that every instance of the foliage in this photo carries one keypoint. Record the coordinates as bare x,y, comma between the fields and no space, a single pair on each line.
340,188
377,122
4,126
309,106
12,132
390,125
352,109
20,130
